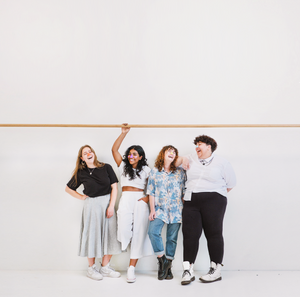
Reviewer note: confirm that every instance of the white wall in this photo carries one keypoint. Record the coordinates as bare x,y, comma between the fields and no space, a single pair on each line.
145,62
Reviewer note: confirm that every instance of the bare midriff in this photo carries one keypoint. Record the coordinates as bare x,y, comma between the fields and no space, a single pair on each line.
131,189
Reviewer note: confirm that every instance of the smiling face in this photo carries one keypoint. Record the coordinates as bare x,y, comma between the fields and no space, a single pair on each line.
170,155
203,150
88,156
134,158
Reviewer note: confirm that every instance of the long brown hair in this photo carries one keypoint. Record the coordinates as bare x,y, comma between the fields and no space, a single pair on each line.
80,165
159,162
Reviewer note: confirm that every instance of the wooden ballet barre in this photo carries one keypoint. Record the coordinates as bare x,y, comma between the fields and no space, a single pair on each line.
151,126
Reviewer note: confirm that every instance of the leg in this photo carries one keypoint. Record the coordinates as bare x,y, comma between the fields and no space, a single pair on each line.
106,259
91,261
106,270
133,262
191,229
140,239
171,243
213,211
125,219
154,232
140,243
131,271
92,271
214,206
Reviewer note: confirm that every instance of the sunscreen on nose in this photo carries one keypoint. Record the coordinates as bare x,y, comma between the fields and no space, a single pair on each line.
131,156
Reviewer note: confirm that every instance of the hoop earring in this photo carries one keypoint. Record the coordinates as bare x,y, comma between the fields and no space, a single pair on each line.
82,163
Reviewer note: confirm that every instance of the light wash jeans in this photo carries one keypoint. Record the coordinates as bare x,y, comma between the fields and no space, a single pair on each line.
154,232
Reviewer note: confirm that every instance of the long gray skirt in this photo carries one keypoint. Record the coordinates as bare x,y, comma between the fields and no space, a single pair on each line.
98,234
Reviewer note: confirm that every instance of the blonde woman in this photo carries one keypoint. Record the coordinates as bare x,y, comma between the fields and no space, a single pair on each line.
98,236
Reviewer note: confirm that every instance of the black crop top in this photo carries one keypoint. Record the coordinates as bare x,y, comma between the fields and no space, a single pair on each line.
96,184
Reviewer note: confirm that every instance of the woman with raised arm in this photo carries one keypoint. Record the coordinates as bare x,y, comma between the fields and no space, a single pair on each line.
165,189
98,236
133,209
209,179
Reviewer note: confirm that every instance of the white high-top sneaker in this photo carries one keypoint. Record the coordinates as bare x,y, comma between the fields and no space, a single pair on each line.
214,273
93,273
130,274
188,273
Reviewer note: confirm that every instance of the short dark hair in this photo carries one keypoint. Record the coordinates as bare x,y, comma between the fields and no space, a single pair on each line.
207,140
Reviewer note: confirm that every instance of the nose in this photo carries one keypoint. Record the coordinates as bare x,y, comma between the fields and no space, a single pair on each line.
131,156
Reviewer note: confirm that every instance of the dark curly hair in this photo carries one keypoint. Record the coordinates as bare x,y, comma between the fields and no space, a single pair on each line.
128,169
159,162
207,140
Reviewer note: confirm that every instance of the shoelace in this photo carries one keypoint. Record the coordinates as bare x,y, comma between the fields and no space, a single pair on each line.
211,270
185,273
95,269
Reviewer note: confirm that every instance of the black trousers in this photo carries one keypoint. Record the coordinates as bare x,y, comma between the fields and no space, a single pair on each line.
204,212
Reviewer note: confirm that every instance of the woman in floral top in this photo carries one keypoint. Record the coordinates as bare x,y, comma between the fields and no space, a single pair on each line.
165,190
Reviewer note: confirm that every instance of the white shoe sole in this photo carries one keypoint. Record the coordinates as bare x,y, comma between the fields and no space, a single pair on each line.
210,281
187,282
106,274
112,276
96,279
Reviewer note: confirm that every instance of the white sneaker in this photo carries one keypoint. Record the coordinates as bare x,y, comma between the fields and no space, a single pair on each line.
214,273
131,274
93,273
108,271
188,273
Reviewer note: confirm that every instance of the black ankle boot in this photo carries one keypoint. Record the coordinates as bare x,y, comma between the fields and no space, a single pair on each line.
169,274
163,267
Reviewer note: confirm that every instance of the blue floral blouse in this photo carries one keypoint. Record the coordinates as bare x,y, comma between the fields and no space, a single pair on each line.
167,189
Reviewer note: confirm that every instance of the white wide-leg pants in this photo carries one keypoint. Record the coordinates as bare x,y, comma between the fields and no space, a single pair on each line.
133,222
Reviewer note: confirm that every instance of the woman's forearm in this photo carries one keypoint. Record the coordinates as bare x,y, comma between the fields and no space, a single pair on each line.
113,197
115,148
113,194
152,203
184,161
75,194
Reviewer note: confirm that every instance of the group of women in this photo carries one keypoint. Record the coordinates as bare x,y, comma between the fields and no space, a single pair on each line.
188,190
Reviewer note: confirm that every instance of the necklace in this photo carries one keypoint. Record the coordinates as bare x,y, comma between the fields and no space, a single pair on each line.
91,172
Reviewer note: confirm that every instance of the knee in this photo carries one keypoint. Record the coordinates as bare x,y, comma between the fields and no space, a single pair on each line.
153,232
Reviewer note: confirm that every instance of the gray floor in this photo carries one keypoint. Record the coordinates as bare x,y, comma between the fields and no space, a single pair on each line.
75,284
